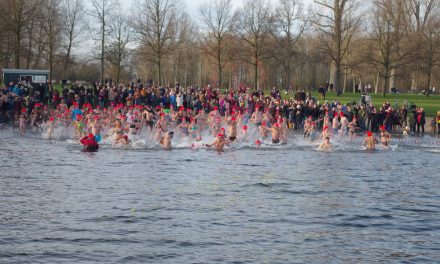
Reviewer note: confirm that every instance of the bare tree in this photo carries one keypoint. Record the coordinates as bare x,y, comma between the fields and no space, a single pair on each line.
52,30
155,23
72,27
217,16
430,48
253,31
387,34
421,11
337,21
117,47
16,15
101,13
289,25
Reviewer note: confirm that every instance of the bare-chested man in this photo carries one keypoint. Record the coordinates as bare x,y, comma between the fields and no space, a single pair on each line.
257,117
218,143
232,128
276,133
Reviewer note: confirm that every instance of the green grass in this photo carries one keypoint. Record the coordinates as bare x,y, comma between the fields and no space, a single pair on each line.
431,104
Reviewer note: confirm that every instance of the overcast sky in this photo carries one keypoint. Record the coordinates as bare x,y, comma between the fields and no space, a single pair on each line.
192,6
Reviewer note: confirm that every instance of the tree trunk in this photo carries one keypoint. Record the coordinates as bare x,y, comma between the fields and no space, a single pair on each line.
385,88
102,50
376,85
354,83
338,79
17,50
392,79
219,65
256,73
159,70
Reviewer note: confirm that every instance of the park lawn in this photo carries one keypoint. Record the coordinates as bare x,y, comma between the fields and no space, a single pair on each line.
431,104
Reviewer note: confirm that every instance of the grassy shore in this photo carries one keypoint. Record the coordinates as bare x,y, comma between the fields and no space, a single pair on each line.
431,104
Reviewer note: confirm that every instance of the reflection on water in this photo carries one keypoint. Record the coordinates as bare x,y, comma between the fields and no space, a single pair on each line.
288,204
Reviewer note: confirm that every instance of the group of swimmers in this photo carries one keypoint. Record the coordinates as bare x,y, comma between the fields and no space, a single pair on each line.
121,123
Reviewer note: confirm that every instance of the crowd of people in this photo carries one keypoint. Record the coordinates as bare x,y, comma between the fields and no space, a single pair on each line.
120,112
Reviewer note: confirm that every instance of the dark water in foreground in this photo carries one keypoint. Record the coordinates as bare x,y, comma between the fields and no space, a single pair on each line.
287,204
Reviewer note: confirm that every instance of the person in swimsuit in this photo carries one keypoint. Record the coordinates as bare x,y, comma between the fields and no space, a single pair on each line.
219,142
370,141
194,130
257,117
264,131
326,145
165,141
118,131
385,137
184,127
22,123
232,128
276,132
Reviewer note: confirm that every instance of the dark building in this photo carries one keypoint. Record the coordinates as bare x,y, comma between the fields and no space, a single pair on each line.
30,76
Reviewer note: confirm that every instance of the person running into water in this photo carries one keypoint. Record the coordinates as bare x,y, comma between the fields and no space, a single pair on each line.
276,133
326,145
165,141
385,137
370,141
218,143
96,128
232,128
89,143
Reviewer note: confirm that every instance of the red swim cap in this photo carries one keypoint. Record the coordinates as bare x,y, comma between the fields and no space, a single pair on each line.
258,142
245,127
369,134
276,125
382,127
51,118
91,135
220,135
222,129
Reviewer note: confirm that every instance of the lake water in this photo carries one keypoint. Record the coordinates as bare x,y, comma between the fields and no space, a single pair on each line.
276,204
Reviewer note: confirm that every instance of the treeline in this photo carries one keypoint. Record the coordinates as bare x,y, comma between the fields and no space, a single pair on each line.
343,44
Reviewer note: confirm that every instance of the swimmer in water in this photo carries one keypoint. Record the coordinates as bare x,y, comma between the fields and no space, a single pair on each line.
258,143
89,143
257,117
370,141
96,128
244,134
232,128
326,145
22,124
276,133
352,128
264,131
51,128
219,142
165,141
385,137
